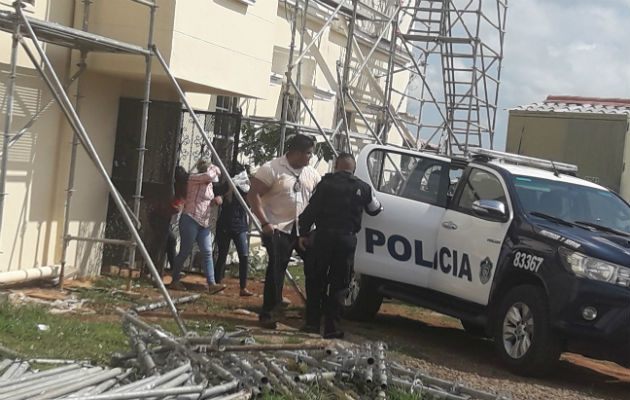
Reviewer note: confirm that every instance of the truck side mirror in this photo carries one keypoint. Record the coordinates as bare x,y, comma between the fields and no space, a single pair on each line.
490,209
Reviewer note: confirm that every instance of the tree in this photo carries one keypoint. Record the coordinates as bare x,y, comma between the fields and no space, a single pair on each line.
260,143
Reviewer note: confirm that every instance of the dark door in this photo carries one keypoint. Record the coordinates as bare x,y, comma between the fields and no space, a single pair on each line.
162,143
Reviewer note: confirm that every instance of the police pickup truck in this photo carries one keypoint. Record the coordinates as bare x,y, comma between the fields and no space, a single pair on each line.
516,247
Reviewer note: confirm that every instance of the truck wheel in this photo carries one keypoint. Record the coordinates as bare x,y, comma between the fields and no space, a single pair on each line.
523,336
363,300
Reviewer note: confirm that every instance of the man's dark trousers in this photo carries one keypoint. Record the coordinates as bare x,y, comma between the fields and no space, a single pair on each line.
333,266
279,248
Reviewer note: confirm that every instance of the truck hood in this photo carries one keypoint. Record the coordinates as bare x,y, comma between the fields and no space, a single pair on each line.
603,245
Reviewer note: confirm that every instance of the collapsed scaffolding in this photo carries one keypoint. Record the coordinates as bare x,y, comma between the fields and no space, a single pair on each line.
460,112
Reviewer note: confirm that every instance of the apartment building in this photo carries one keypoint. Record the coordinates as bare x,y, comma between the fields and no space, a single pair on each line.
223,53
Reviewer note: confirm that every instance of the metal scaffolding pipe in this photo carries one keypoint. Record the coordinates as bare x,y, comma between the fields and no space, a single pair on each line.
40,375
8,119
275,347
160,393
37,381
137,344
143,136
286,92
162,304
308,109
117,242
51,383
319,34
378,40
4,364
10,370
73,154
57,90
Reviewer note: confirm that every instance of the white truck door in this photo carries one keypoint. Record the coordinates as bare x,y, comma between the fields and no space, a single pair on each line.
398,244
469,243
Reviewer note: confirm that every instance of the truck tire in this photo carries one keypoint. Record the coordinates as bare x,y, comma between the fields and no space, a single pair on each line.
523,336
363,300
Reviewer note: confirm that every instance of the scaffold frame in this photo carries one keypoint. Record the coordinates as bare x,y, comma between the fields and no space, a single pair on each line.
431,30
406,52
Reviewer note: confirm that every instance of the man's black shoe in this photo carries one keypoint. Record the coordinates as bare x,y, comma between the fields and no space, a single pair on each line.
333,335
310,329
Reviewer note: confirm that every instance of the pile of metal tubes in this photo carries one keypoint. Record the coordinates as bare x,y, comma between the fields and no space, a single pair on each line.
228,365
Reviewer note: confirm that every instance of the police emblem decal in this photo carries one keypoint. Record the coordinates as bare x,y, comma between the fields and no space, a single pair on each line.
485,270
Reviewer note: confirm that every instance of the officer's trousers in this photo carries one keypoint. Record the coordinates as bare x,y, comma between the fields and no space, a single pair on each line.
332,269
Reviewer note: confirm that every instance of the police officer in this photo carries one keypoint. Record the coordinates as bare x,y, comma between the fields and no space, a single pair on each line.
335,208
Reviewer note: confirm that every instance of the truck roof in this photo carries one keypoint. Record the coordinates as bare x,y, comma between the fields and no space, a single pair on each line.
544,174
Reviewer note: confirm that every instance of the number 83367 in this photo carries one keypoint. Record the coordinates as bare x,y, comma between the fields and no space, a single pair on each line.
527,261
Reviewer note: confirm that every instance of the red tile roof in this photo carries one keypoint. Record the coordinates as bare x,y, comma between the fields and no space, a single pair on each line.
596,101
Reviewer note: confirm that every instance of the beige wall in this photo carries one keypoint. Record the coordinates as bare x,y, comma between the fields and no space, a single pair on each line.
210,46
89,202
128,22
224,44
30,229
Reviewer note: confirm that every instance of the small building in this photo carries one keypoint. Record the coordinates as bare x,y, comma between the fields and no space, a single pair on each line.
591,132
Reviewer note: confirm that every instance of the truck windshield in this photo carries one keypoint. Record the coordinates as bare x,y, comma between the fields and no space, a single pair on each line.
573,203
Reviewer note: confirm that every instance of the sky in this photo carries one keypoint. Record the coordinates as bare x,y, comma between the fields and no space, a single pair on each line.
563,47
551,47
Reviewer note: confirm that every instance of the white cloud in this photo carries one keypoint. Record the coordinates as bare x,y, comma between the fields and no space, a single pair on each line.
566,47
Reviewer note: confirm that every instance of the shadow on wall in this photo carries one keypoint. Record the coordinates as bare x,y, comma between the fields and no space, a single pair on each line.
22,163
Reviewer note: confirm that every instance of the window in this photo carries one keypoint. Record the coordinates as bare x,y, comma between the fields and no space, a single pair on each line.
409,176
227,103
572,202
481,185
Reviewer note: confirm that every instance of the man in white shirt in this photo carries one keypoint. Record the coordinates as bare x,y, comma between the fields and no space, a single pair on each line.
279,192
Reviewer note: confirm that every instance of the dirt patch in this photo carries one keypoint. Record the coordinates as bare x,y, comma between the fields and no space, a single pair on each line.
44,294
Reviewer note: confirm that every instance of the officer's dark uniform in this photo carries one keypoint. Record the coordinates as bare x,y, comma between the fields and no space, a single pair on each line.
335,208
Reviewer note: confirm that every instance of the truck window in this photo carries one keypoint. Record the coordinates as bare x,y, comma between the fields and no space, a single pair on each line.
481,185
572,202
409,176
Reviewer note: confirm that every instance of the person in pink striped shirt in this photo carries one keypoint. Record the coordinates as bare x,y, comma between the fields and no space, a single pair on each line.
194,223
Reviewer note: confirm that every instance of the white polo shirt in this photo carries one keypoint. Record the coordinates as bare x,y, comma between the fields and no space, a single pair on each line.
282,205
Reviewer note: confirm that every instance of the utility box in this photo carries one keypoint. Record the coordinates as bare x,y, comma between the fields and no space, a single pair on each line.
591,133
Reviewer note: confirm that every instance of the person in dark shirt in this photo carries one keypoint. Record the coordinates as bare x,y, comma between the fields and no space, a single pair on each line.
232,226
335,208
